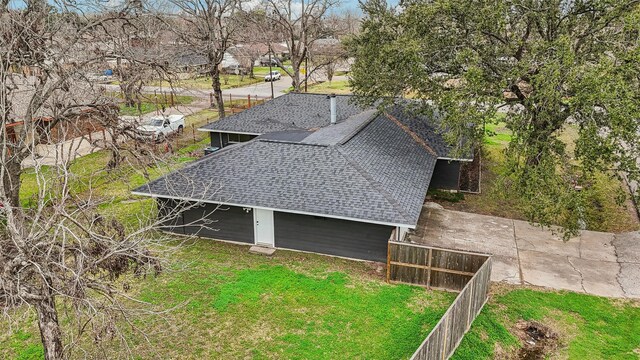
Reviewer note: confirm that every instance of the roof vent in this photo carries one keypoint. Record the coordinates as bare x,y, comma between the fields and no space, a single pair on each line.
334,110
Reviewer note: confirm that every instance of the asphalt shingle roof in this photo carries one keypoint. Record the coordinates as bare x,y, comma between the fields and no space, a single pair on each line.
426,129
370,166
293,111
287,176
401,167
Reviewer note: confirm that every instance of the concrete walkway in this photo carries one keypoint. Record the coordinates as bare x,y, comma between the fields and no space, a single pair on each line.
596,263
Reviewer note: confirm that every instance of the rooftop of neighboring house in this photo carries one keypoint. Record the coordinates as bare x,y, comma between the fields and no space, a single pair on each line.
79,95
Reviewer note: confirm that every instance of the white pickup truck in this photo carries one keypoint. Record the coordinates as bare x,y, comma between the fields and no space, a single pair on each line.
159,127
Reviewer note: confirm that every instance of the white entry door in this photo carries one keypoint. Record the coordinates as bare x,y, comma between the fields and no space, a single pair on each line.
263,226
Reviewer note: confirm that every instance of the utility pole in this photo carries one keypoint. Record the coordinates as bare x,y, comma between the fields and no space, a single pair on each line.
270,75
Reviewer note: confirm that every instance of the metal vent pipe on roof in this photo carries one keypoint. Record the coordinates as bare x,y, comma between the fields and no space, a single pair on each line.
334,110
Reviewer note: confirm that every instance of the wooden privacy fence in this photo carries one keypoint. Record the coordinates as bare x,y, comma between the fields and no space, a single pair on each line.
469,273
432,267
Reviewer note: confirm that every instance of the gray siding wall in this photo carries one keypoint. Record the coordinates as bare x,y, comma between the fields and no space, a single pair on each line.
219,140
222,139
331,236
169,213
224,222
445,175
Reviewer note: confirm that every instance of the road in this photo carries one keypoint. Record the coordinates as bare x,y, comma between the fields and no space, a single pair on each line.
262,89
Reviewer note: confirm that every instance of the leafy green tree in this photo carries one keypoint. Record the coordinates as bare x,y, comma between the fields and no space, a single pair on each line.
550,63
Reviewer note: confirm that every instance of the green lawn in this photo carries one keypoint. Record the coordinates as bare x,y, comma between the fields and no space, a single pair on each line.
151,102
232,304
336,86
588,327
228,303
204,83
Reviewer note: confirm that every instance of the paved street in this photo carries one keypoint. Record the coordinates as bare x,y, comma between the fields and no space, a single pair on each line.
597,263
261,89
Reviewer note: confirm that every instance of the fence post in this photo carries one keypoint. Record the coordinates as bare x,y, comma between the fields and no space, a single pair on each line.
389,259
193,132
429,268
248,101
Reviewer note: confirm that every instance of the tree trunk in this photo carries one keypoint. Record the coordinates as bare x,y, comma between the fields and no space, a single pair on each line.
12,180
295,79
50,329
217,91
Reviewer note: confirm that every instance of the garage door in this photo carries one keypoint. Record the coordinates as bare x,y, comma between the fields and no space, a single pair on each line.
331,236
224,222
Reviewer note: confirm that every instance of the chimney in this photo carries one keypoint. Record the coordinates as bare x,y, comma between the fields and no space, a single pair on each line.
334,110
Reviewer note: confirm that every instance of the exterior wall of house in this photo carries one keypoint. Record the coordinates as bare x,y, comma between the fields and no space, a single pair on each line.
331,236
291,231
445,175
208,220
221,139
217,140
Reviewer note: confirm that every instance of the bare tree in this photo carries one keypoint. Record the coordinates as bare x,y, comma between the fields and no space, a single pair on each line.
328,54
56,247
256,38
207,28
301,24
136,49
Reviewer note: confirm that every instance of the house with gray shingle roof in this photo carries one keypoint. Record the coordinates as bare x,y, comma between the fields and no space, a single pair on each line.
307,178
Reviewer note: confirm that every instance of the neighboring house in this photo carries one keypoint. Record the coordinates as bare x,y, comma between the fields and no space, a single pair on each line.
81,120
306,178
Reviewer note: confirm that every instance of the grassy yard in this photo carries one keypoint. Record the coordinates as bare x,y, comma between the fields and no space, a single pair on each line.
336,86
232,304
204,83
605,214
587,327
152,103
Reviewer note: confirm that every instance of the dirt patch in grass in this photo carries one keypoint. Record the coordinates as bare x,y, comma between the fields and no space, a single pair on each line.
538,340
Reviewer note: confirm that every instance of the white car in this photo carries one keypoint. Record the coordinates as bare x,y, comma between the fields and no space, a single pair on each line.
272,76
159,127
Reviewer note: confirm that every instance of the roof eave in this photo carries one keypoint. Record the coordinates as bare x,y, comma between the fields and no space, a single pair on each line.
368,221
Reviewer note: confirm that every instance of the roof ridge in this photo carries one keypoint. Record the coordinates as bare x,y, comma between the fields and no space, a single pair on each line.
290,142
361,127
413,135
376,185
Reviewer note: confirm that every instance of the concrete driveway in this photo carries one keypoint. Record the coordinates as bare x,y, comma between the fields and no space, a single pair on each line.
597,263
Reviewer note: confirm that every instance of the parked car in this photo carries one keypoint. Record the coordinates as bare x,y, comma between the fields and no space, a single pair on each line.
159,127
272,76
265,62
